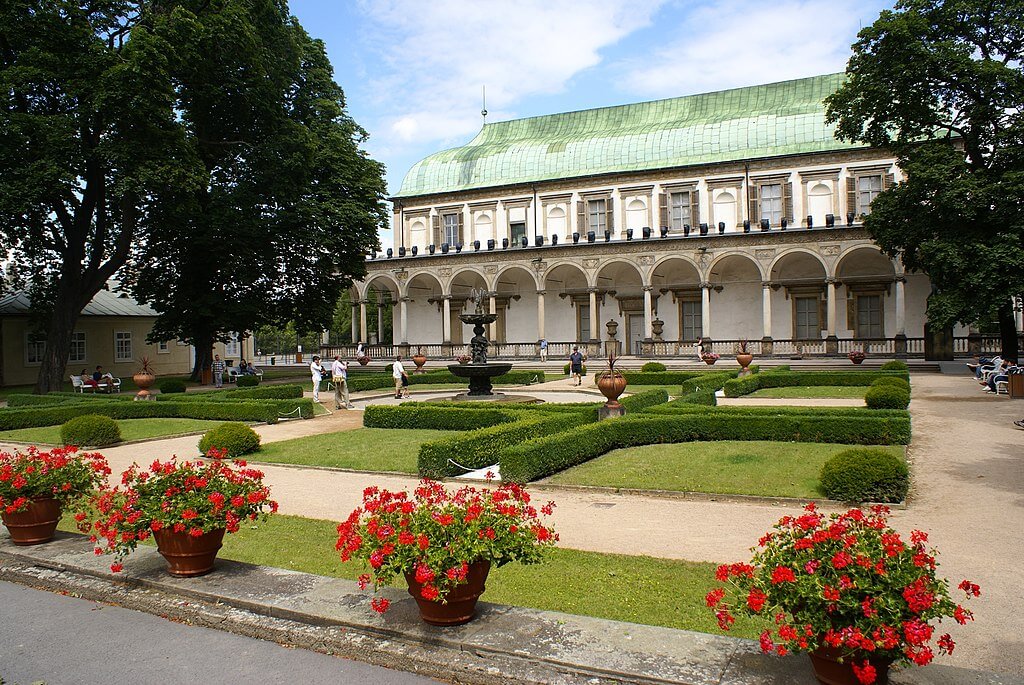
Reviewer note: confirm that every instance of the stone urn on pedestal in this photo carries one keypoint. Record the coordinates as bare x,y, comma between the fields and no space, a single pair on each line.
419,359
743,357
144,379
612,384
657,327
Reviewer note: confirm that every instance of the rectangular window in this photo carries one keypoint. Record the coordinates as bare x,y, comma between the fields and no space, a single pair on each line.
868,188
596,217
679,208
690,315
583,325
869,316
771,203
518,231
451,229
123,346
77,351
34,349
162,347
807,325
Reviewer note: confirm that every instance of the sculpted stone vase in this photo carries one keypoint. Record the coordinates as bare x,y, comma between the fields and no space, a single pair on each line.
611,384
460,604
35,525
744,359
144,381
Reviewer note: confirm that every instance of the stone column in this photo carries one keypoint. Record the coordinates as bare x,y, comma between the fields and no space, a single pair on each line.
594,316
705,311
901,305
831,342
355,322
365,336
492,307
380,319
446,321
403,305
766,309
540,314
648,327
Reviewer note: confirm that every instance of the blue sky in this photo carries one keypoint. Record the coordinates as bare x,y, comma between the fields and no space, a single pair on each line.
412,70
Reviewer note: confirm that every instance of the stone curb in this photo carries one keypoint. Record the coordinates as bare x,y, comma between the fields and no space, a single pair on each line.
503,645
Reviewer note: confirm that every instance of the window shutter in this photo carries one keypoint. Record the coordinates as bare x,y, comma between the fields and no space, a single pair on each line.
695,207
662,209
581,217
851,194
754,213
787,201
437,230
888,180
609,212
461,239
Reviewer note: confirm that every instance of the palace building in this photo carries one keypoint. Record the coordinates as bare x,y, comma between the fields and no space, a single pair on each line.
728,216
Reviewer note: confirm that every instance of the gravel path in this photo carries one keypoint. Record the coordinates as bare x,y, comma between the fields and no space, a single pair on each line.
968,494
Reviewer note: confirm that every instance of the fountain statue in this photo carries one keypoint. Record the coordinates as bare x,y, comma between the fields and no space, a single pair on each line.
479,371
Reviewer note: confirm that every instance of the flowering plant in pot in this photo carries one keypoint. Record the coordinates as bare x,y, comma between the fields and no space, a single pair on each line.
857,356
847,589
463,359
36,486
443,542
144,378
611,383
710,358
187,506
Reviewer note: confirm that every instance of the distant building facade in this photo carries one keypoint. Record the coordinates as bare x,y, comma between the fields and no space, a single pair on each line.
727,216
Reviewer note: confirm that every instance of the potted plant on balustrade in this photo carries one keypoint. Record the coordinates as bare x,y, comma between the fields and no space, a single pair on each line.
443,542
612,384
710,358
743,356
463,359
37,487
847,589
186,506
857,356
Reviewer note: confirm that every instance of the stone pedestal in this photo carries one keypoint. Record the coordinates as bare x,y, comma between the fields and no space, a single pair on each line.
900,341
938,344
767,347
606,412
831,345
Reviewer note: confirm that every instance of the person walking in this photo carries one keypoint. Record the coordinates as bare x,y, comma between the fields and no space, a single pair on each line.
543,349
317,372
576,365
339,376
218,367
401,378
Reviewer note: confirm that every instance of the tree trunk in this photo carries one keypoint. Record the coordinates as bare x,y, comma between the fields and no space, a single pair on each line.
58,343
203,344
1009,339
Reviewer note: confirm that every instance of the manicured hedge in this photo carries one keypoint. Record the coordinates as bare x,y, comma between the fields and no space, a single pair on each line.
91,430
707,381
782,379
886,397
36,400
665,377
385,380
894,365
642,400
263,392
543,456
893,381
702,397
435,417
237,438
865,475
481,448
171,386
651,367
247,381
679,407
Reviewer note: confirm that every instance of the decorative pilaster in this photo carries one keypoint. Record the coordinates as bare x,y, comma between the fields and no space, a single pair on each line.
705,311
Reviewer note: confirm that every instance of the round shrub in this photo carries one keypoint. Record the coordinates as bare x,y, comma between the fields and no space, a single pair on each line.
172,385
565,369
894,365
865,475
894,381
886,397
236,438
247,381
653,367
91,430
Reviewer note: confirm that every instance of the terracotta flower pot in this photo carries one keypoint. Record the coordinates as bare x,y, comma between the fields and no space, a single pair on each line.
856,360
460,604
144,381
36,524
709,362
828,669
744,359
419,360
611,385
188,556
363,361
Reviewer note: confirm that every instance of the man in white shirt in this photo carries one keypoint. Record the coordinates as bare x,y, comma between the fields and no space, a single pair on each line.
339,376
317,372
398,373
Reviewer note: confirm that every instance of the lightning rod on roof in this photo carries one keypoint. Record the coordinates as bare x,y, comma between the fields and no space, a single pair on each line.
483,112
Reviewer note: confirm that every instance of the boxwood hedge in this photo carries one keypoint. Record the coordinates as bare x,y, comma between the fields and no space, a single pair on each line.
781,379
865,475
436,418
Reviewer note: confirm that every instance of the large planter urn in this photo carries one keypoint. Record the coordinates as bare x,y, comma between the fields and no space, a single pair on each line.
829,670
744,359
364,360
657,327
143,381
460,604
188,556
612,385
419,359
36,524
710,361
613,328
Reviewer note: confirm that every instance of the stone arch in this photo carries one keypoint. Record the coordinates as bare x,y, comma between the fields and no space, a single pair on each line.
565,277
676,283
390,284
516,267
864,260
805,261
735,280
865,276
423,281
614,270
566,288
465,279
717,261
515,292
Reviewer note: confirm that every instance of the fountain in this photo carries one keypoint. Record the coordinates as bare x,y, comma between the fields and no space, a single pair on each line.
478,370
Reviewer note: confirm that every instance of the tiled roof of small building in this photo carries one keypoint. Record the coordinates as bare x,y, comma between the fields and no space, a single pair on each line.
742,123
104,303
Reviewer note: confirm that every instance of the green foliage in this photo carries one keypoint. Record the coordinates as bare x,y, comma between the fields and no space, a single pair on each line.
565,369
172,386
707,381
894,365
437,418
237,438
650,367
663,377
886,397
784,379
892,381
642,400
703,397
247,381
865,475
90,430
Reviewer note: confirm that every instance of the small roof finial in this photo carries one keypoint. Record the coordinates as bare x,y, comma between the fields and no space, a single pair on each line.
483,112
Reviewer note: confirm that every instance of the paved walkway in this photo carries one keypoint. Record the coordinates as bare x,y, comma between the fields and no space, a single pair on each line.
968,493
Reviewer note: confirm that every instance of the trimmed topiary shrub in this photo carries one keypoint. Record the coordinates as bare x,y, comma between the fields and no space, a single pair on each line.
894,365
865,475
893,381
171,386
247,381
565,370
236,438
91,430
652,367
886,397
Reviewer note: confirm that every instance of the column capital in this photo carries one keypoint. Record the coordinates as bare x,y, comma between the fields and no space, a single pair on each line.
900,278
648,288
831,281
706,285
766,284
542,292
406,298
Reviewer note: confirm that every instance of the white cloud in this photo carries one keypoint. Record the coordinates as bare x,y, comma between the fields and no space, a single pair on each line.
439,53
729,43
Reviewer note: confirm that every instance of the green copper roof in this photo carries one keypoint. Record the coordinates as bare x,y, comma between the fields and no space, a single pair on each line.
743,123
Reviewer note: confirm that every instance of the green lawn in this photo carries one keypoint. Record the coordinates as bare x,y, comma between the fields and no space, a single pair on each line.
367,449
770,469
855,392
644,590
131,429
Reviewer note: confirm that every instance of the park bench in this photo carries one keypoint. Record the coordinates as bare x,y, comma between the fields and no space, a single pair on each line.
78,385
